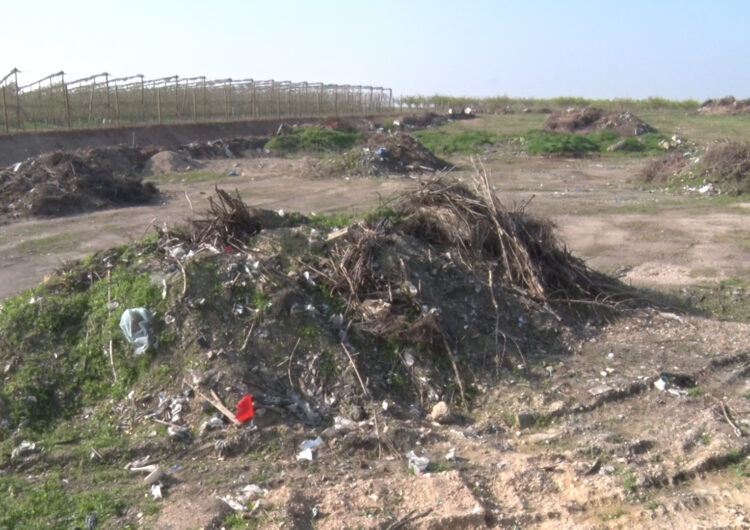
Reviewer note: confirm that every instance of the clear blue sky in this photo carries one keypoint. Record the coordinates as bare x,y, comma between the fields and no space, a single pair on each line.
597,49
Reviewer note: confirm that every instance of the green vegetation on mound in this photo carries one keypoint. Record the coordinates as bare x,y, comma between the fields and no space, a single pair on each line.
313,139
466,142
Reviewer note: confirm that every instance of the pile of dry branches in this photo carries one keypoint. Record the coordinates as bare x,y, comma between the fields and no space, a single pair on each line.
523,250
228,222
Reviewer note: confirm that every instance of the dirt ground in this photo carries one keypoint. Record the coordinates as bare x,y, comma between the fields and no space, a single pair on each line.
606,445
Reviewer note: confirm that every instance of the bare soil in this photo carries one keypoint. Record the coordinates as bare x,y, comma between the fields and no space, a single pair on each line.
606,444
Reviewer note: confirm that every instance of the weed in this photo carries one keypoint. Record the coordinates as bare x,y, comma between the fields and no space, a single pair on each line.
694,392
629,480
331,221
652,505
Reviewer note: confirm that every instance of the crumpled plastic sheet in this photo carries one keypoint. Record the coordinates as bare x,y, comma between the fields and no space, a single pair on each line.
136,325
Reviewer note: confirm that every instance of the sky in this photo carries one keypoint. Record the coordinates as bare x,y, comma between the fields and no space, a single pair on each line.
480,48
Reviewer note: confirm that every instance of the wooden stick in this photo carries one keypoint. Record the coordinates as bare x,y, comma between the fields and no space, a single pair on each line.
351,360
220,406
216,402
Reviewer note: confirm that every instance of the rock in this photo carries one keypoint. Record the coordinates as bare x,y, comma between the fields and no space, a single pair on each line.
356,413
557,407
526,419
440,413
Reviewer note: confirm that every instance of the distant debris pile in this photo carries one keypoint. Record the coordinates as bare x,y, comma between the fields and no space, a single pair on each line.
62,183
591,119
726,106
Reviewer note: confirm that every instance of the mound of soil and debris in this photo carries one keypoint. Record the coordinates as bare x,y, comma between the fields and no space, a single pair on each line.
384,154
723,168
63,183
726,106
591,119
225,148
169,163
401,153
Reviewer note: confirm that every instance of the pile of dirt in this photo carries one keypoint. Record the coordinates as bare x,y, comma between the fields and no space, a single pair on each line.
169,163
61,183
591,119
726,106
723,168
225,148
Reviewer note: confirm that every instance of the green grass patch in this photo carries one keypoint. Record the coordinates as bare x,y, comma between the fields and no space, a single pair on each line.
62,331
53,503
547,143
466,142
331,221
313,139
543,143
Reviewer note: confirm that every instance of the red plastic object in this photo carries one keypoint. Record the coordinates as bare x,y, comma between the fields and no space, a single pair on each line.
245,409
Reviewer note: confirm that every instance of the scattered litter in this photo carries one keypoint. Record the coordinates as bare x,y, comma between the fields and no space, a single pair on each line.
251,492
305,454
246,409
23,450
136,326
660,384
451,454
155,476
418,464
311,444
156,491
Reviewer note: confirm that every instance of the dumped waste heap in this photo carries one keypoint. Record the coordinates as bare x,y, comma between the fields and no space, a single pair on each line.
592,119
62,183
723,167
356,331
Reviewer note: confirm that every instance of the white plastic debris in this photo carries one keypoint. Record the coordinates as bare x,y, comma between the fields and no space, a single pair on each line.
233,504
251,492
136,326
418,464
156,491
305,454
311,444
660,384
451,454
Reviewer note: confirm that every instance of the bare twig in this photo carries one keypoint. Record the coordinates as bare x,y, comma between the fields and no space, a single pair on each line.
449,352
289,364
109,311
247,337
410,517
184,276
356,371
